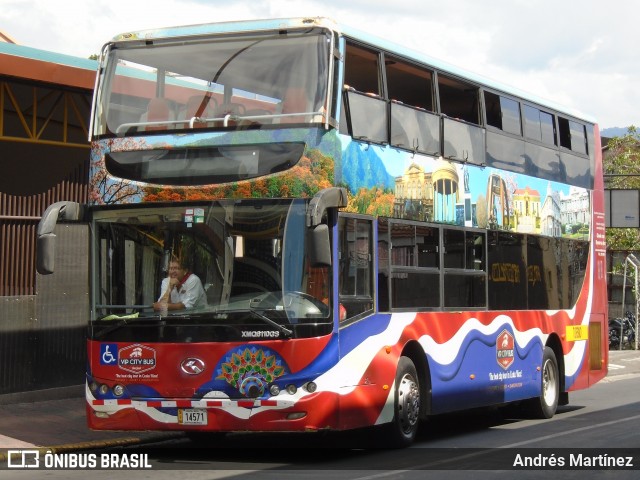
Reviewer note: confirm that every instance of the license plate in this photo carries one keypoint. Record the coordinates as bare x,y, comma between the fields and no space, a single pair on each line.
192,416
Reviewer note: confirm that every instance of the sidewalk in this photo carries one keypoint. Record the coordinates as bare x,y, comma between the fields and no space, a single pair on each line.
60,425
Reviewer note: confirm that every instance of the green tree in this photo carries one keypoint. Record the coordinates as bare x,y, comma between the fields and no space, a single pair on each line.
622,161
622,170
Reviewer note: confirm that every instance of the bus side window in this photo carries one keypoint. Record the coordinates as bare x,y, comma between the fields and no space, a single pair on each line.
362,71
366,109
459,100
384,304
356,266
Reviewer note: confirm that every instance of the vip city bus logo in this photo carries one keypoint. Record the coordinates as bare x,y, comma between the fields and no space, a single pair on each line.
137,358
504,349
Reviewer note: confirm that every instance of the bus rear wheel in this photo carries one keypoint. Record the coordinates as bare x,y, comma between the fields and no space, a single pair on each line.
402,430
546,405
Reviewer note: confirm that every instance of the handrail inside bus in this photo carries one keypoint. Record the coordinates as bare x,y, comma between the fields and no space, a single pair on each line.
228,117
106,305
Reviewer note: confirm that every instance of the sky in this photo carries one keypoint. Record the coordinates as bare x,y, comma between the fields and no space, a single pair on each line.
579,53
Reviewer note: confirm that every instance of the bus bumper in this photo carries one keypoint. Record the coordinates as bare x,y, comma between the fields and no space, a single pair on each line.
313,412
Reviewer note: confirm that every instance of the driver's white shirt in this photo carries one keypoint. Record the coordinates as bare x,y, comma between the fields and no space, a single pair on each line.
191,293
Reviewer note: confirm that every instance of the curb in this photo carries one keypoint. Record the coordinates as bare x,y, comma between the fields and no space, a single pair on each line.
93,444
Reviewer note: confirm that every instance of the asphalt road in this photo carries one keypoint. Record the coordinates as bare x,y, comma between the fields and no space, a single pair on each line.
599,428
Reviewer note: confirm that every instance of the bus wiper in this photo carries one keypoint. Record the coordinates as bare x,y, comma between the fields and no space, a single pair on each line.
111,328
282,329
121,322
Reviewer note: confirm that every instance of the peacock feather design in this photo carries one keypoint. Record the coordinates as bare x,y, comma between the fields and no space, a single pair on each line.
251,370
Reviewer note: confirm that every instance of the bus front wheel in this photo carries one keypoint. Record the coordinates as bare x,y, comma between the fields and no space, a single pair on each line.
403,428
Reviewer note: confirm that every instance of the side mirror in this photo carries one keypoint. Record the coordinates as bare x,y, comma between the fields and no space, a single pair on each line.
46,239
320,246
45,253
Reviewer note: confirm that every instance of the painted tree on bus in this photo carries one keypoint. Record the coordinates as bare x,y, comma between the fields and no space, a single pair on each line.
371,201
105,189
311,174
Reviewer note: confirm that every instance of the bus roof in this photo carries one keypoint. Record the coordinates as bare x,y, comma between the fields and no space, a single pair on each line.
244,26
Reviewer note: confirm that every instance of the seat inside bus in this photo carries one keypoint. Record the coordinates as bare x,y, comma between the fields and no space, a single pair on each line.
158,110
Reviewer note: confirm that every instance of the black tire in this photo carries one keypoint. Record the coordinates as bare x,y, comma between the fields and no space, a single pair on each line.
402,430
546,405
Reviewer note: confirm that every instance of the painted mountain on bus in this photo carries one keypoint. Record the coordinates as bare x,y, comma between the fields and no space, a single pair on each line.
363,168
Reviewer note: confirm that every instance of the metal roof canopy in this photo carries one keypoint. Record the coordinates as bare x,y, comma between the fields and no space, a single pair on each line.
45,103
45,97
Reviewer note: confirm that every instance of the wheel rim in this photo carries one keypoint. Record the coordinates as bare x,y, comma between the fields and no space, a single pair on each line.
549,383
408,403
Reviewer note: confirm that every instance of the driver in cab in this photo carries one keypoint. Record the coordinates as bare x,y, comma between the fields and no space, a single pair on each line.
181,289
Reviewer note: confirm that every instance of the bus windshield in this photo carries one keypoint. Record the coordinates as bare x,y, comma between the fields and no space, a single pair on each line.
232,81
249,258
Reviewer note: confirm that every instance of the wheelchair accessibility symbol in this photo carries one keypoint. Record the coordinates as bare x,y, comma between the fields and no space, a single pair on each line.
108,354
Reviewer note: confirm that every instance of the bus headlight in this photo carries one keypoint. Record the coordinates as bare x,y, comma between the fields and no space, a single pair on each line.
311,387
274,390
118,390
292,389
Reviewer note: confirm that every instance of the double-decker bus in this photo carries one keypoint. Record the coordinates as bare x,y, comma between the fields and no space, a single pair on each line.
377,237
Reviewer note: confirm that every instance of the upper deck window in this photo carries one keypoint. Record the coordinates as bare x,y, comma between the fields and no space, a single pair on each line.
363,92
502,113
223,81
414,126
459,99
572,135
409,84
539,125
362,72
